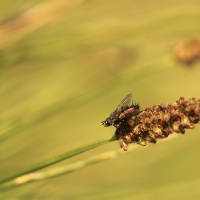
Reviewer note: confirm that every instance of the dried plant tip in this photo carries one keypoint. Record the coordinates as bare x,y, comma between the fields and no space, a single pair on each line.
187,50
158,122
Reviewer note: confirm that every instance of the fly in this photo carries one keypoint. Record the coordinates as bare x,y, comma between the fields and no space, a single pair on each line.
124,110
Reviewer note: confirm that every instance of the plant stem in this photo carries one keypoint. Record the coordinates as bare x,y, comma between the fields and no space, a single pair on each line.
60,158
58,171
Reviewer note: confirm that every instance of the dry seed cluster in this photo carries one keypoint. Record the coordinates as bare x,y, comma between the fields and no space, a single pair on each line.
158,122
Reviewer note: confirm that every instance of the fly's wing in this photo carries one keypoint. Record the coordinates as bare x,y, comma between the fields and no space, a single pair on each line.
124,103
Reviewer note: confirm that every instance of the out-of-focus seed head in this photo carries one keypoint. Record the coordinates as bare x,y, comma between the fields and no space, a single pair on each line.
187,50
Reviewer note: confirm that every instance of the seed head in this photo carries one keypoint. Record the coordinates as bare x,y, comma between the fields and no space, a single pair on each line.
187,50
159,122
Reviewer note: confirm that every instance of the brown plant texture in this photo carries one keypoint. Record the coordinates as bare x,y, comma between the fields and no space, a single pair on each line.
159,122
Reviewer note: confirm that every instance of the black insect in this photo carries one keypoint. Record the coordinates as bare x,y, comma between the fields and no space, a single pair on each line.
123,111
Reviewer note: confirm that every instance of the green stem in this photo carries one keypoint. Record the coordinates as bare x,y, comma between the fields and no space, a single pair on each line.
61,170
60,158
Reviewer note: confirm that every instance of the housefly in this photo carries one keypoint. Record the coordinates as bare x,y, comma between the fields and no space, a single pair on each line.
124,110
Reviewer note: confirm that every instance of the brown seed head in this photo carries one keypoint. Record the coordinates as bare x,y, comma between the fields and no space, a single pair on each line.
158,122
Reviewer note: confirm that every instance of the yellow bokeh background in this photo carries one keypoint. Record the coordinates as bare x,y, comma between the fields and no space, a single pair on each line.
65,66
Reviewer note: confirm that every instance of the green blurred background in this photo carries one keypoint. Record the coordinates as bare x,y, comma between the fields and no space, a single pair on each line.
60,79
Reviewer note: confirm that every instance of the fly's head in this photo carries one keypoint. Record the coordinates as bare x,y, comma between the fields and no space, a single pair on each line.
107,122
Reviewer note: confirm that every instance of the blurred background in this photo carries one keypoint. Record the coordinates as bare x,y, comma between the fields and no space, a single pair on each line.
66,65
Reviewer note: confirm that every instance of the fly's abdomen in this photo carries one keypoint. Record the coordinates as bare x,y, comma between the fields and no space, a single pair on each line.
129,112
